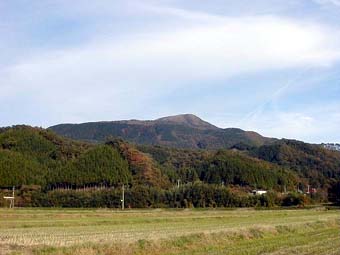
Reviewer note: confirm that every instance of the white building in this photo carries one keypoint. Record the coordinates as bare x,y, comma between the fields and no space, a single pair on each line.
259,192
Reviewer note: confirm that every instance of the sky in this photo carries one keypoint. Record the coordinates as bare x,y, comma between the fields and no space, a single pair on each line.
269,66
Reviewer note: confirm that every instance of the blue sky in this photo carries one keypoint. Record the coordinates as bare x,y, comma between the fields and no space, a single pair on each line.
271,66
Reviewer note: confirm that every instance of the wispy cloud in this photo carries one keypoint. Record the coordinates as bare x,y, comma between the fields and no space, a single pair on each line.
309,124
135,53
272,99
221,49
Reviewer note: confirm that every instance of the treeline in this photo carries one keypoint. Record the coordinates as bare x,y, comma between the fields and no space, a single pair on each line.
197,195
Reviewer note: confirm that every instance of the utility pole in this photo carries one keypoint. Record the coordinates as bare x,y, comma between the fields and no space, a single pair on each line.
123,196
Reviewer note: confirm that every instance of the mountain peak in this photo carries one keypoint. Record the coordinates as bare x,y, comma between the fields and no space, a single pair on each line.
182,131
188,120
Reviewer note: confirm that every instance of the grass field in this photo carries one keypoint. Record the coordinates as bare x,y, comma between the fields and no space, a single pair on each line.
72,231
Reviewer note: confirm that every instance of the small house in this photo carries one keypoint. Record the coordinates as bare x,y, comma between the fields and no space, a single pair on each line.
258,192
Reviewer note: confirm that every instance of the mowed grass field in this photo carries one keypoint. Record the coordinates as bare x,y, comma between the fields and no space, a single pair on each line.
239,231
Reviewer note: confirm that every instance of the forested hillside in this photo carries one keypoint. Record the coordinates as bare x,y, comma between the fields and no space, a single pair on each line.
37,156
318,165
51,171
221,167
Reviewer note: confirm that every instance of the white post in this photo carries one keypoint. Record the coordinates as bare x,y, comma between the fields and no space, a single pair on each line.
123,196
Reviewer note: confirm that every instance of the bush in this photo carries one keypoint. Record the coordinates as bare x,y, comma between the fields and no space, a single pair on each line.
294,199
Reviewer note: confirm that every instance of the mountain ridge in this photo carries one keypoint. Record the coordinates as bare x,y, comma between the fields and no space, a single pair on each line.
181,131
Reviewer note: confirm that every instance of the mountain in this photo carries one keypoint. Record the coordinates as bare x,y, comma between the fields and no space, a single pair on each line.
49,170
35,156
180,131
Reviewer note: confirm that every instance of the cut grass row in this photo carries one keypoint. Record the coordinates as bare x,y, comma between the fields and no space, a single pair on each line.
170,231
313,239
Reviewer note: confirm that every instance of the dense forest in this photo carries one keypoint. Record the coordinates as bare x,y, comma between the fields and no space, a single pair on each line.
313,162
49,170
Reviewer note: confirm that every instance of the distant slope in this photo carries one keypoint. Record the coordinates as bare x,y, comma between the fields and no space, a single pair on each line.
313,162
223,166
181,131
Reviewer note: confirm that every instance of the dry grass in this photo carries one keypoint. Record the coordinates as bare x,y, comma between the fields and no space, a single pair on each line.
59,231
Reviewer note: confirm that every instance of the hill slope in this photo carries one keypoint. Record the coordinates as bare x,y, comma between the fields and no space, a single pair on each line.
317,164
31,156
181,131
40,158
34,156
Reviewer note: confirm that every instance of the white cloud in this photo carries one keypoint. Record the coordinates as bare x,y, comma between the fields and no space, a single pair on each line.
111,77
293,124
220,49
316,124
